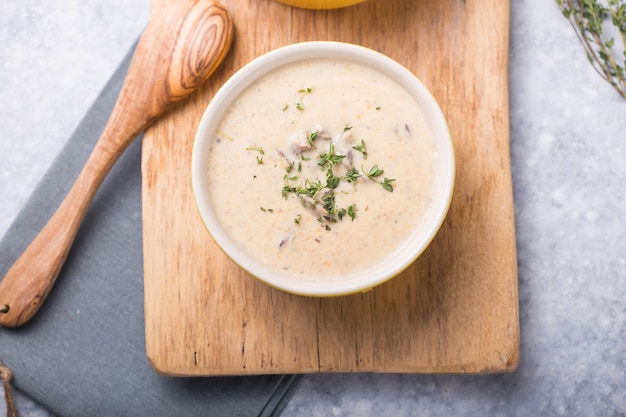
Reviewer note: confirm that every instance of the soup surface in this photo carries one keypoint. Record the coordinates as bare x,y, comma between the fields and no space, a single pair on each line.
322,168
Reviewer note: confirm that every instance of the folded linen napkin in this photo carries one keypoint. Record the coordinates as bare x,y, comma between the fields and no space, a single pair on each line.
83,354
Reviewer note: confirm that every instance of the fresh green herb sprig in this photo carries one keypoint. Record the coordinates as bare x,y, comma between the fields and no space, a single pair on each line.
312,193
304,92
591,20
352,175
386,184
311,138
330,158
259,158
375,172
361,148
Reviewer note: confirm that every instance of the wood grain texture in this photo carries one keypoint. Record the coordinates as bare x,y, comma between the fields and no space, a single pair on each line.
178,51
454,311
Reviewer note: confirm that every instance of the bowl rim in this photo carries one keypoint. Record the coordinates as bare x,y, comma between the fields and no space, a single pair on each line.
412,247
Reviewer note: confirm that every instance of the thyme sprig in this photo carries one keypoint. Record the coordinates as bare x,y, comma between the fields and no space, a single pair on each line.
303,92
375,172
592,20
361,148
320,195
259,158
330,159
312,193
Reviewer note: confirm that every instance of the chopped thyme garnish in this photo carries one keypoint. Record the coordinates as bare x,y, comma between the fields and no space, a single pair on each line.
331,180
285,107
224,135
311,188
328,202
258,149
319,196
304,92
259,159
352,211
377,172
322,220
331,158
312,138
361,148
286,190
269,210
387,184
352,175
374,172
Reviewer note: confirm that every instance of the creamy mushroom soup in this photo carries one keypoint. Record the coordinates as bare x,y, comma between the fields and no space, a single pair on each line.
321,168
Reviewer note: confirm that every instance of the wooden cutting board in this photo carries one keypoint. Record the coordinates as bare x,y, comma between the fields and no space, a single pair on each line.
454,311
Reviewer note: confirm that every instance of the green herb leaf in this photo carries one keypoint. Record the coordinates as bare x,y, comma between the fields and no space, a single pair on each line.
286,190
258,149
312,137
387,184
352,211
331,180
374,172
224,135
352,175
311,188
328,202
361,148
330,159
304,92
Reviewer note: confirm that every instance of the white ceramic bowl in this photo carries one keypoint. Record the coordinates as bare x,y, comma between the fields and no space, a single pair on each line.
397,261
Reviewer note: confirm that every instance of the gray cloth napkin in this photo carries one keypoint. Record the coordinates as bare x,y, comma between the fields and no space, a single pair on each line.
83,354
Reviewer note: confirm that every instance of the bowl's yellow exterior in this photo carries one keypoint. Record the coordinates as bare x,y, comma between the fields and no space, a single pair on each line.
320,4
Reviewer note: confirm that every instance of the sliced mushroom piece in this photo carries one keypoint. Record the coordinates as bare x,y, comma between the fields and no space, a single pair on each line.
299,142
288,238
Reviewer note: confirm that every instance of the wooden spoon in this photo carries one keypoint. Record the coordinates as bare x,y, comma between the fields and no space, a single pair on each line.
178,51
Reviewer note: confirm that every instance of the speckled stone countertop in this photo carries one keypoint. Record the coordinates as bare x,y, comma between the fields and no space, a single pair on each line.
568,148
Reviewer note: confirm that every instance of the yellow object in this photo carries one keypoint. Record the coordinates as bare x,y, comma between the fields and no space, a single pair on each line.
320,4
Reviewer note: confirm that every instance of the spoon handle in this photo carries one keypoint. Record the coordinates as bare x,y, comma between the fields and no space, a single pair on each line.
178,51
30,279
